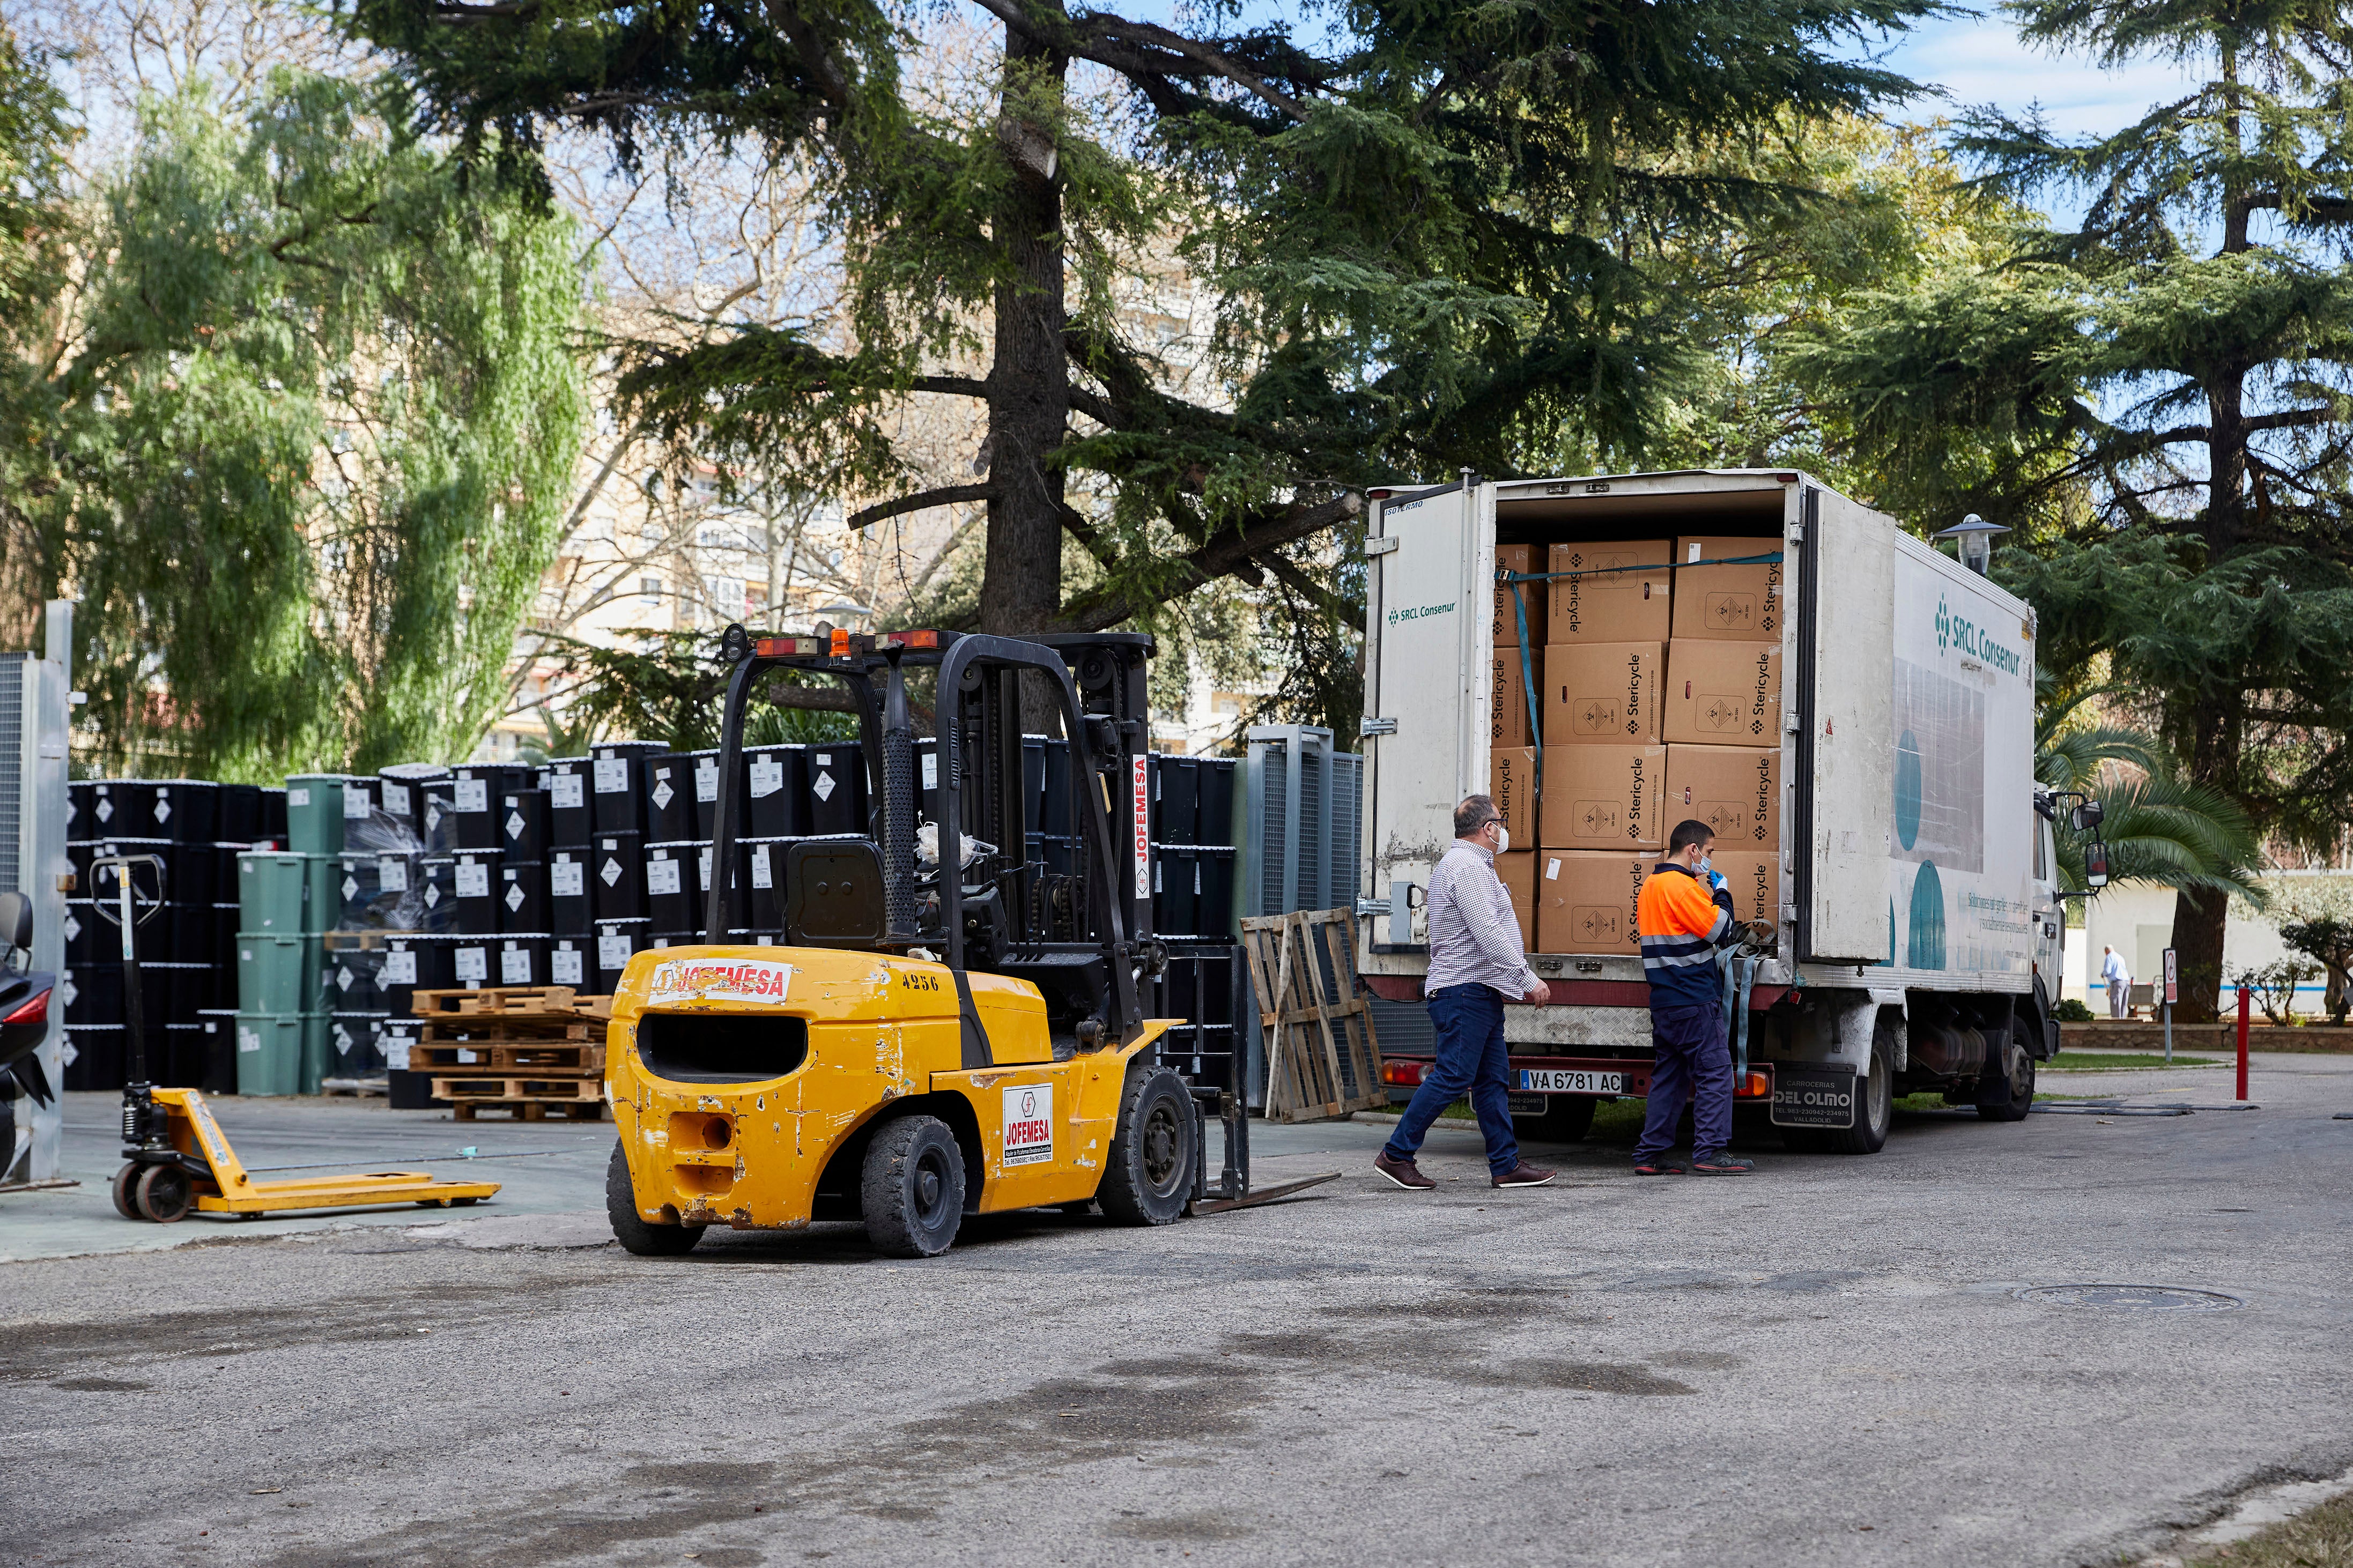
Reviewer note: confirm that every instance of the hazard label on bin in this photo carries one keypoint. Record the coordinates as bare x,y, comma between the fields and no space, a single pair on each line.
1030,1124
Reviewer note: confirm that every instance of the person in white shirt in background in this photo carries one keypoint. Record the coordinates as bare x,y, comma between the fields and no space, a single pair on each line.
2120,979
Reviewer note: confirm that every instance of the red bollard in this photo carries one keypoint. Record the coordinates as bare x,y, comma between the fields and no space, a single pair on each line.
2242,1042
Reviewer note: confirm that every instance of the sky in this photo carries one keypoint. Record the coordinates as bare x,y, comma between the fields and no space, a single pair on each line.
1977,59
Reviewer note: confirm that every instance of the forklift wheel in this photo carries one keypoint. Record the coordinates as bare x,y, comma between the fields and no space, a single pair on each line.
126,1203
630,1228
1153,1151
164,1193
912,1191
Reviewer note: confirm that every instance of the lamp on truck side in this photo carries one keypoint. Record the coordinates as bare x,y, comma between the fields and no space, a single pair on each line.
1974,536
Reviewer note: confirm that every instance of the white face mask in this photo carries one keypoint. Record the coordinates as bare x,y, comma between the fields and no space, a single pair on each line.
1704,866
1503,839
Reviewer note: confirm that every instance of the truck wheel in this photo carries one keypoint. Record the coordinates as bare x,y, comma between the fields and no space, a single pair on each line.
1877,1114
1567,1119
913,1188
2010,1097
633,1230
1153,1151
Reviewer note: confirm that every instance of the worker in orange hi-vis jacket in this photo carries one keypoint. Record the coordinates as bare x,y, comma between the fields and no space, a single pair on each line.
1685,918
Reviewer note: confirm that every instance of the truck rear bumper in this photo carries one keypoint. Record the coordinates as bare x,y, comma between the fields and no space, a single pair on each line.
1407,1072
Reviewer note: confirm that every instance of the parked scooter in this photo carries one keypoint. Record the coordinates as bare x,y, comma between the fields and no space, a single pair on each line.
24,1025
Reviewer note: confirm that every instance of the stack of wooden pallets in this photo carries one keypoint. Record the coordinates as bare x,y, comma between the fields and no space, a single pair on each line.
524,1049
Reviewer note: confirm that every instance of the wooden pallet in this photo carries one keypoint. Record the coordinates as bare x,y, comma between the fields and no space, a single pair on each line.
530,1109
1322,1060
513,1002
527,1098
512,1028
538,1057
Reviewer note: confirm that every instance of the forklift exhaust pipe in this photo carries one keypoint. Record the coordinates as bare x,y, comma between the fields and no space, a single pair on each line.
898,828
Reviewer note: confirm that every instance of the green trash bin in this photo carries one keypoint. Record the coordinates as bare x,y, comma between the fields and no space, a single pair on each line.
318,1050
272,975
314,813
270,893
323,902
268,1052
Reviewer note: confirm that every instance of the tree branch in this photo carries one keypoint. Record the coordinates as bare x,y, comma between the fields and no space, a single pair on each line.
922,500
1224,555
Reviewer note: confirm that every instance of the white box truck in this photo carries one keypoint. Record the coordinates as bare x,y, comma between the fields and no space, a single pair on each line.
1918,916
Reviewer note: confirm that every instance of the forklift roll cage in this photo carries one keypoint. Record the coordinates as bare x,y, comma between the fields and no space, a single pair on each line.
978,693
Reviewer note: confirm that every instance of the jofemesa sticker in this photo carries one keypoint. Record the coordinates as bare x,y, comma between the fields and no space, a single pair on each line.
720,980
1030,1124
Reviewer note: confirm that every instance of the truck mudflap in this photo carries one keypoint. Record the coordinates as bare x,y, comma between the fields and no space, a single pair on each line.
1811,1094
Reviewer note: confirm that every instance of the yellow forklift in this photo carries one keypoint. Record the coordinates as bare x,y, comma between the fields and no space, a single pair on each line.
950,1028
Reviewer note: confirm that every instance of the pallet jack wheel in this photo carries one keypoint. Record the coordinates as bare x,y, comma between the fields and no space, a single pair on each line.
164,1193
126,1203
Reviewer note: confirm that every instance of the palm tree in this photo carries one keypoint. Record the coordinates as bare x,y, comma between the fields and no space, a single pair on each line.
2160,827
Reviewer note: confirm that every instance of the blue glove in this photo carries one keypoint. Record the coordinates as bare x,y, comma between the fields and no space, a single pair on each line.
1715,879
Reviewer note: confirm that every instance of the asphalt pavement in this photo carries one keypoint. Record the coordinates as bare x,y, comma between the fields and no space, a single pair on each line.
1893,1359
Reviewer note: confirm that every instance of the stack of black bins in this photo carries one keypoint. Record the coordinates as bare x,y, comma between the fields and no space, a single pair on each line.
617,855
501,876
681,813
187,962
1193,861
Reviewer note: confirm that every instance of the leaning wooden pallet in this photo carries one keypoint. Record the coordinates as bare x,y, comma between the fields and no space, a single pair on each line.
1323,1059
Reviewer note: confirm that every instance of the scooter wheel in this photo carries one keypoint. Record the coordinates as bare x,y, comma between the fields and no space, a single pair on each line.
164,1193
126,1203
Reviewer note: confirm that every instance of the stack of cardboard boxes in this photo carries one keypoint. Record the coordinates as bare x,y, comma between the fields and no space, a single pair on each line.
1659,696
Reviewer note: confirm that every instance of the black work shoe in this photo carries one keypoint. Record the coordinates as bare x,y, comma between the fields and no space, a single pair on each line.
1523,1176
1664,1165
1722,1166
1404,1172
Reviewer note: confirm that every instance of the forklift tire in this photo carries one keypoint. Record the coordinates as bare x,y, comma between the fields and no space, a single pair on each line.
126,1201
2005,1097
633,1230
164,1193
1567,1119
912,1188
1153,1151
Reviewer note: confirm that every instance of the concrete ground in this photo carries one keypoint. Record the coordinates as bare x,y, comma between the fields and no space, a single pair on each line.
1830,1362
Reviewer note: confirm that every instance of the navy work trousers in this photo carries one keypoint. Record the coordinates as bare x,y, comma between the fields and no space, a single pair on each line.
1694,1065
1471,1055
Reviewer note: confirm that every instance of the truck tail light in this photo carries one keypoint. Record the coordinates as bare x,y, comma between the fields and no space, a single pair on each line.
1405,1075
1753,1086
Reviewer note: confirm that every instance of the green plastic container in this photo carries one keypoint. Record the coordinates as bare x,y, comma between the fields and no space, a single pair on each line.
268,1052
272,975
314,813
323,903
318,1050
270,893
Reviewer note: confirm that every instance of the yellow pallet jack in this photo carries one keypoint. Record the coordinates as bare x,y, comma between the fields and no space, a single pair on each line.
176,1159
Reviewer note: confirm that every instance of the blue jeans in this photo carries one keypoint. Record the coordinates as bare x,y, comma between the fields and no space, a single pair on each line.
1471,1055
1695,1064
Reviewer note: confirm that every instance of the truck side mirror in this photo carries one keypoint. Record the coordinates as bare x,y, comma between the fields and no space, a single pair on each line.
2087,816
16,920
2096,865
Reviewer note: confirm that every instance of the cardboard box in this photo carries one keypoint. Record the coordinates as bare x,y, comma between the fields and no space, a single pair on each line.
1601,600
1722,693
1735,790
1602,797
1584,900
1507,702
1600,693
1519,558
1517,872
1754,882
1727,603
1512,780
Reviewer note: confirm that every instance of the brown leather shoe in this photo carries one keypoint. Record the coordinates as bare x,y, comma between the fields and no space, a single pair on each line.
1404,1172
1523,1176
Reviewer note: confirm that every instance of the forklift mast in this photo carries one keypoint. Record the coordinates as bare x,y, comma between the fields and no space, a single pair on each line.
978,902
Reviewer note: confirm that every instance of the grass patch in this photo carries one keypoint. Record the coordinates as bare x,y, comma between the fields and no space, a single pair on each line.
2318,1538
2123,1061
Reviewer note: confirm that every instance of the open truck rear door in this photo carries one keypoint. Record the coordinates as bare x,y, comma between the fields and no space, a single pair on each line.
1429,599
1844,557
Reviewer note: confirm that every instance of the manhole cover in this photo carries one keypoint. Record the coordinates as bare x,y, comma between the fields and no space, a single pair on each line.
2130,1297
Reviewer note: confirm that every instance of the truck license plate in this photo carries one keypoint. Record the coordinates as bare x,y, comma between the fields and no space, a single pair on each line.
1813,1097
1571,1081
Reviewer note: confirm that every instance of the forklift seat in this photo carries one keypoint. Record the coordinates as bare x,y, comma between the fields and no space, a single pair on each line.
833,894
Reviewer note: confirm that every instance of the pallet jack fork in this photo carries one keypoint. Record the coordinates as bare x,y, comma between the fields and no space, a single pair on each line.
175,1156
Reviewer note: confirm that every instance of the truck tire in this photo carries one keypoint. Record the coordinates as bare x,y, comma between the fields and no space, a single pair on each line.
1872,1117
913,1189
1153,1151
2009,1096
633,1230
1567,1119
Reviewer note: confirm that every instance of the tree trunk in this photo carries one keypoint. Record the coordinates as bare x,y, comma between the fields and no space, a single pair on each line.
2197,922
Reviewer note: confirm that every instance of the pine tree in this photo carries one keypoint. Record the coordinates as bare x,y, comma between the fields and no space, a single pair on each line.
2165,385
1406,221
